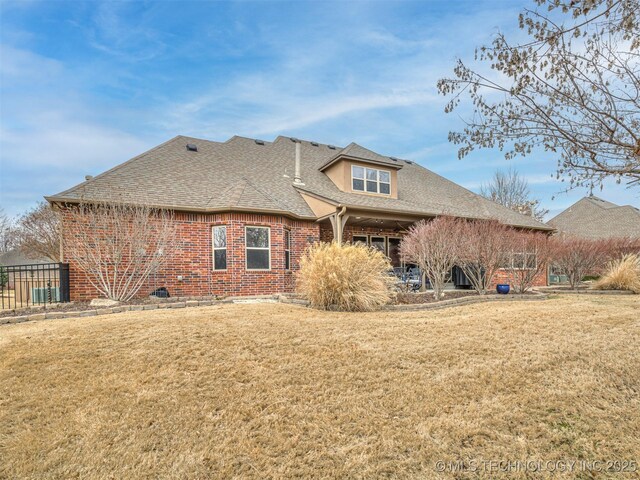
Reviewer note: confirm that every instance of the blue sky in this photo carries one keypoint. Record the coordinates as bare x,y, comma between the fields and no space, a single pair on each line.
87,85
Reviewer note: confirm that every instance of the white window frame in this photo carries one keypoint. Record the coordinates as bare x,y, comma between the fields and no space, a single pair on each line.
512,258
365,180
225,248
246,257
287,248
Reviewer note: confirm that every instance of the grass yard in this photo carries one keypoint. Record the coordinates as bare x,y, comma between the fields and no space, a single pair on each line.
279,391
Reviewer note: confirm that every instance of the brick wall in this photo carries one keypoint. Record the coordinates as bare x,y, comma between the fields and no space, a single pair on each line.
502,276
194,258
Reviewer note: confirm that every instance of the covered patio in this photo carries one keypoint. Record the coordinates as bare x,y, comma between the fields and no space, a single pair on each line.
377,229
384,232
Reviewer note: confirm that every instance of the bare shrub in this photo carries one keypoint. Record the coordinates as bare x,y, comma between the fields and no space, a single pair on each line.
483,248
530,255
619,247
621,274
576,257
349,277
432,246
119,246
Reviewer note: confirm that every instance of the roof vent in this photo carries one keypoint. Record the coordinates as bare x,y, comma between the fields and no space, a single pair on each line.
192,147
259,142
332,147
409,162
394,159
315,144
294,140
88,177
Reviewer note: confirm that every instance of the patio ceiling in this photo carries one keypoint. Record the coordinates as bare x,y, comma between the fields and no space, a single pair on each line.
381,223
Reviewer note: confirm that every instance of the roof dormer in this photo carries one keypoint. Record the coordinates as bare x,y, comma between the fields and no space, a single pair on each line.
354,169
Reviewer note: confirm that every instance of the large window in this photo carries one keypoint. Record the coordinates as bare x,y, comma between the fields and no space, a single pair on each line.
287,250
522,261
363,239
390,246
393,247
370,180
379,243
258,248
220,248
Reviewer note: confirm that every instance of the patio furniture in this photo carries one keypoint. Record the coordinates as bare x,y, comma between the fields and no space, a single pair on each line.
413,279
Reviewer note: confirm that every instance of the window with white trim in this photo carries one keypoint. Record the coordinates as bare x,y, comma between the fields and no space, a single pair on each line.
370,180
522,261
287,249
219,241
258,248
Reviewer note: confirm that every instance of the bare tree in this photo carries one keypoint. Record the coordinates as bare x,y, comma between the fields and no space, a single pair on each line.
6,232
37,233
530,255
483,248
512,190
572,90
119,246
576,257
431,245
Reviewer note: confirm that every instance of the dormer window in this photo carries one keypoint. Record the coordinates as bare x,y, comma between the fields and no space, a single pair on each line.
370,180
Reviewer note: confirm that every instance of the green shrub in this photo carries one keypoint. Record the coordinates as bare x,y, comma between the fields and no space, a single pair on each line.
590,278
344,277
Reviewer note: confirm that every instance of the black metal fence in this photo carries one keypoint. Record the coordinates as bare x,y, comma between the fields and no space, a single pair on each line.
37,284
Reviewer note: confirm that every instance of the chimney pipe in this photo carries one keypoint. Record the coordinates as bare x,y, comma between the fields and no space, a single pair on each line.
296,176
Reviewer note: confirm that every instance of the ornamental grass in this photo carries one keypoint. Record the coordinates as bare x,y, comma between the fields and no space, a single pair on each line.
349,277
621,274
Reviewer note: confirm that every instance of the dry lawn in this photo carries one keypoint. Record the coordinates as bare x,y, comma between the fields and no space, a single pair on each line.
277,391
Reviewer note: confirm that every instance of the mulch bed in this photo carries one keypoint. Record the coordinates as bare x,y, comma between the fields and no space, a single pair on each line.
427,297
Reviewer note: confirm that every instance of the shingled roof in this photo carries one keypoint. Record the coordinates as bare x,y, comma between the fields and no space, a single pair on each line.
355,151
595,218
242,174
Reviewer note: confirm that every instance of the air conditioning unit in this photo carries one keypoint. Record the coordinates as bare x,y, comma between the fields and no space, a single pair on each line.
41,295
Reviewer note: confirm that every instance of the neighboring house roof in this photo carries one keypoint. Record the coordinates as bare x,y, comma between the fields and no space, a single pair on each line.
243,174
15,257
595,218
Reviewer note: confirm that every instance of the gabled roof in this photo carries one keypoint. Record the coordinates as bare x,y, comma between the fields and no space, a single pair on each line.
243,175
354,151
595,218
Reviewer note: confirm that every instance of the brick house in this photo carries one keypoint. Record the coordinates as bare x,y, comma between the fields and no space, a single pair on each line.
246,209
